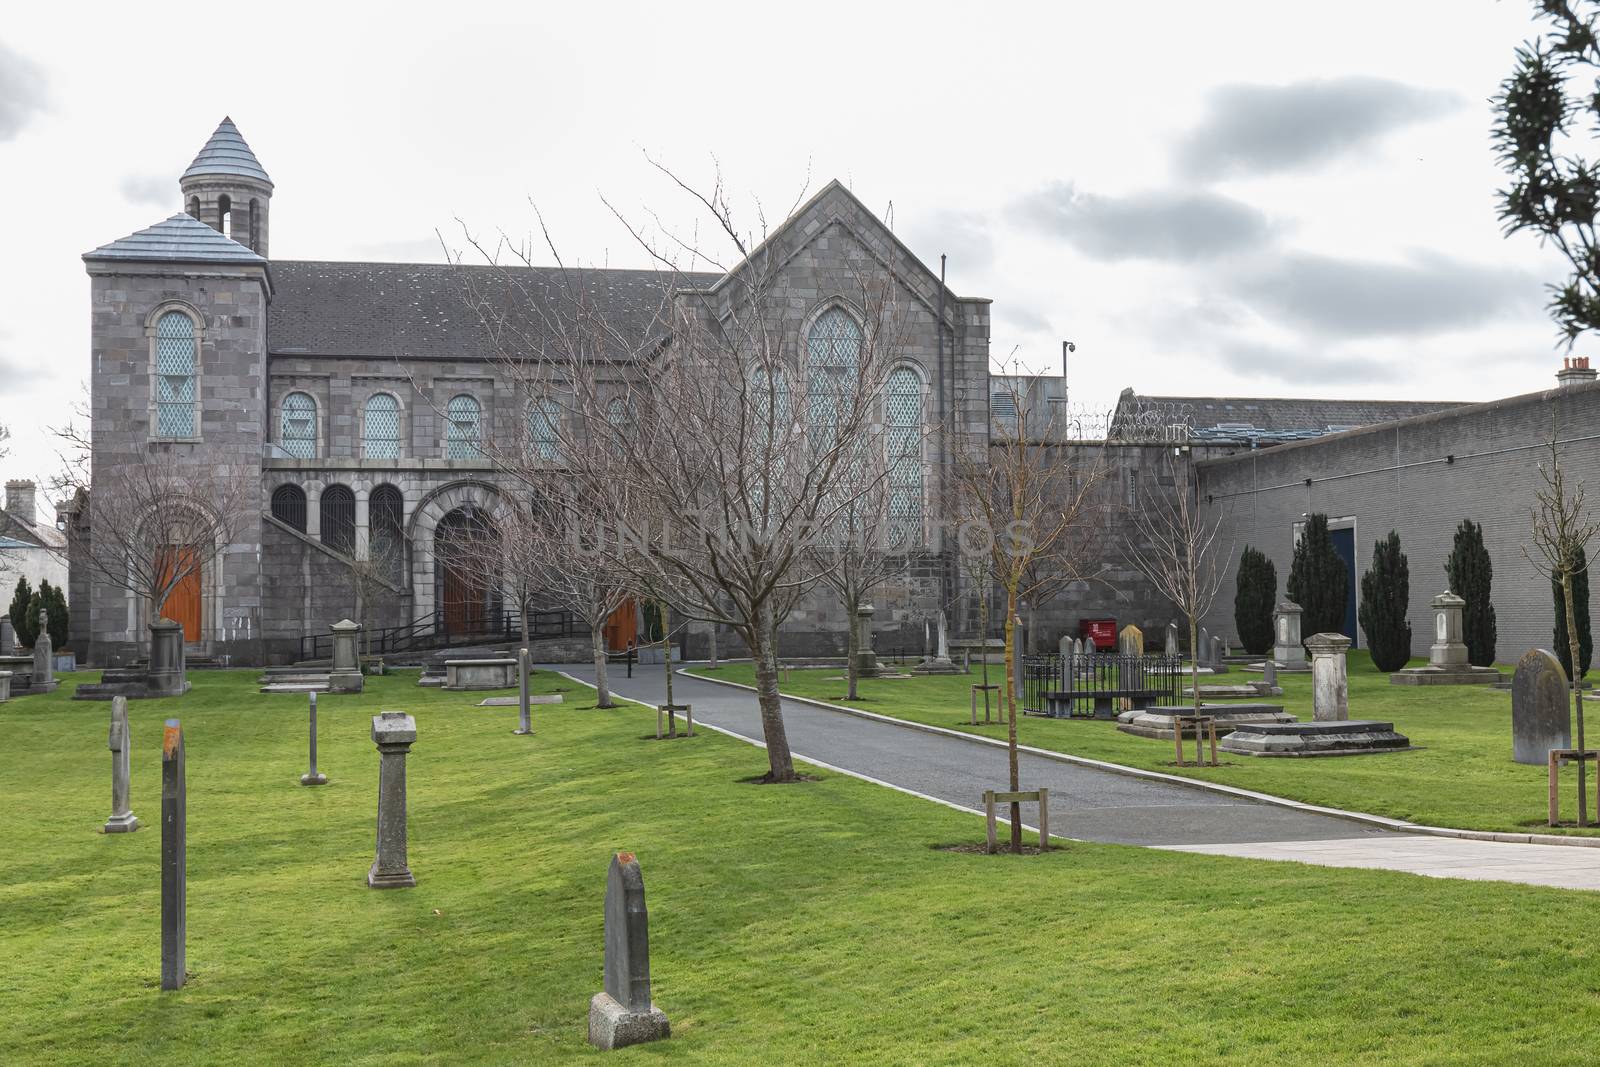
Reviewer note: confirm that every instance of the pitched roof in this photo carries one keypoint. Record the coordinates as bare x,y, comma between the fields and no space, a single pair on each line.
437,310
226,154
14,533
1268,419
180,239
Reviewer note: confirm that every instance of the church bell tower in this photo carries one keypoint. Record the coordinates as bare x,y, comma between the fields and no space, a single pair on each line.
227,189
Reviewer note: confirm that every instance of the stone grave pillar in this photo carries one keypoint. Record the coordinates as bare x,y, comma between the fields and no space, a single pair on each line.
122,819
1541,711
346,674
1219,649
166,675
1172,640
1202,655
44,662
623,1014
1330,700
1449,649
8,637
866,659
1287,648
393,732
312,775
5,686
525,721
174,858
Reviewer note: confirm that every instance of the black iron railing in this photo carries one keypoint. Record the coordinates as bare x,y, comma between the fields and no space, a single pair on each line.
431,632
1051,684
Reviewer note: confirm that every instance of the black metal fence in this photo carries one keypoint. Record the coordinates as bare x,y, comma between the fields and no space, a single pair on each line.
431,632
1053,686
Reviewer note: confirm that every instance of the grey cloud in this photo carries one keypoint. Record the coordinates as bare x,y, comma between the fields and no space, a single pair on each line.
1259,129
1177,226
1350,298
150,189
1291,365
23,92
1019,317
421,250
962,235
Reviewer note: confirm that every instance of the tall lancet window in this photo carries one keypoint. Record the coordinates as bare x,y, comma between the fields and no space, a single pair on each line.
902,416
175,367
297,431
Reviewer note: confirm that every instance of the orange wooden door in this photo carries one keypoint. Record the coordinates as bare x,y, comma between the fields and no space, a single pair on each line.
622,627
183,603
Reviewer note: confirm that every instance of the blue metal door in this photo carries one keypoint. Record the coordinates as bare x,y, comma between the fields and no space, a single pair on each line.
1344,543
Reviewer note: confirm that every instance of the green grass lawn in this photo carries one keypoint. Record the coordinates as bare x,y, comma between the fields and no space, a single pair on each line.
1459,772
808,924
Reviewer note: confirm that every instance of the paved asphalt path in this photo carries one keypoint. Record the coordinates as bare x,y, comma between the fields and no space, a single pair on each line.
1085,803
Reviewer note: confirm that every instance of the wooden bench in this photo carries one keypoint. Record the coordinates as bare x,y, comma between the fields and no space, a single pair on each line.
1058,703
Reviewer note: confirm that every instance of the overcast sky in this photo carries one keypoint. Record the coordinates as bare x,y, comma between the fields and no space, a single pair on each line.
1254,199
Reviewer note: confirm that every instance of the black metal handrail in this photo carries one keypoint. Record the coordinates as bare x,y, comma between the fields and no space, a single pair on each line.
1043,676
430,632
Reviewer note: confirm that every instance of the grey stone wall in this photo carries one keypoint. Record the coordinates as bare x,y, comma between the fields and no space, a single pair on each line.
1420,477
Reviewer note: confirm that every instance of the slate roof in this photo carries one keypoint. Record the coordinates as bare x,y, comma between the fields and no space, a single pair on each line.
1271,419
180,239
14,533
227,154
436,310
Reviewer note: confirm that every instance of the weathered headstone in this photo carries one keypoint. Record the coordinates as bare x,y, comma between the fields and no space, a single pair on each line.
312,775
1202,655
1269,672
1541,718
1172,639
8,637
122,820
1130,642
174,858
623,1014
1330,688
1287,648
866,659
346,677
44,663
5,686
393,732
524,705
1219,648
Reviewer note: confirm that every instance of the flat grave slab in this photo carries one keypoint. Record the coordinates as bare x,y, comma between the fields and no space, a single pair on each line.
512,702
1340,737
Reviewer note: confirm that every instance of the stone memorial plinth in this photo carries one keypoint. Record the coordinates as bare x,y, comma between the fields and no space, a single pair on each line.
345,677
122,818
867,665
1287,650
1541,713
174,858
8,636
1330,684
393,732
623,1014
468,674
5,686
1447,657
1158,722
44,663
1350,737
166,676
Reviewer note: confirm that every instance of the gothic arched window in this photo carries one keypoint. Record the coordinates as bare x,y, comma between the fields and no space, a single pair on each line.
544,430
833,354
225,215
463,416
297,426
289,506
902,417
385,521
175,373
339,519
380,427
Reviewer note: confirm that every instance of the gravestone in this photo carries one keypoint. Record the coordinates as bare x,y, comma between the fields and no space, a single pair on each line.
1269,672
1202,655
393,732
1065,645
1172,639
8,637
867,665
1130,642
1287,648
122,820
1447,656
1540,716
623,1014
524,705
312,775
174,858
166,676
1330,687
44,664
1219,649
5,686
345,677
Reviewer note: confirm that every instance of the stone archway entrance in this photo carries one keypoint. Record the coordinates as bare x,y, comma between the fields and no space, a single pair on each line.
466,586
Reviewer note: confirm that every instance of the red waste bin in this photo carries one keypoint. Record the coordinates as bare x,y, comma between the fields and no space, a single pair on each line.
1100,633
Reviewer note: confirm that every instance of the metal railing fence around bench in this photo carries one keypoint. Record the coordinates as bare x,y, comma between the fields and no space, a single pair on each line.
1047,679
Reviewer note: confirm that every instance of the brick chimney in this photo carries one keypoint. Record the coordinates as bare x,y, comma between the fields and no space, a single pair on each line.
19,502
1575,371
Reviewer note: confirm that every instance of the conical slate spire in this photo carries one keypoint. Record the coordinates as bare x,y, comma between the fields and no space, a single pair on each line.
226,154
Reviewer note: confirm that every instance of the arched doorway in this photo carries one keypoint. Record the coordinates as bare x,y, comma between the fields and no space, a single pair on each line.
466,586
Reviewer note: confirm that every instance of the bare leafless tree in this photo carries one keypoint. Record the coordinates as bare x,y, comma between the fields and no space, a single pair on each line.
1174,545
1562,528
1028,497
381,569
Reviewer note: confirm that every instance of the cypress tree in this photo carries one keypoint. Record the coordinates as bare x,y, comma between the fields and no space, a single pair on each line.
23,621
1385,596
1255,588
1470,574
54,602
1317,580
1580,609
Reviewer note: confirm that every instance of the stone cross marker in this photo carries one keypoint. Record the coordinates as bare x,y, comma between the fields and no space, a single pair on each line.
312,775
1540,716
44,661
174,858
8,637
1330,686
122,819
623,1015
393,732
524,705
